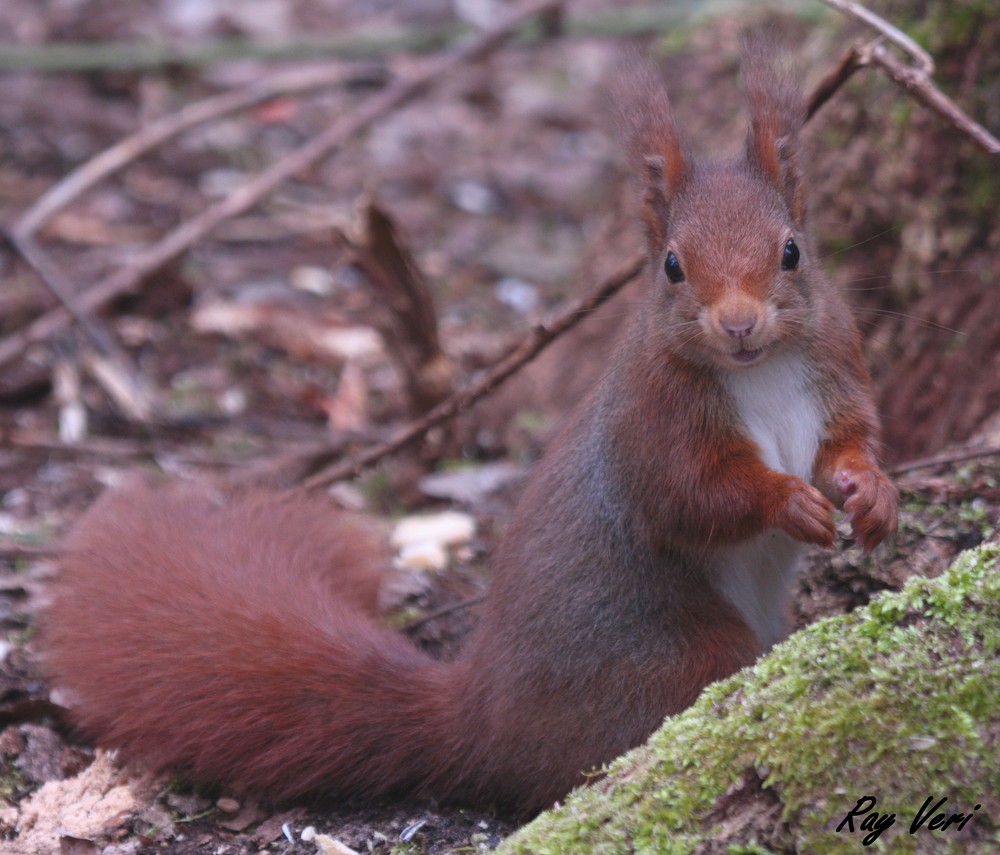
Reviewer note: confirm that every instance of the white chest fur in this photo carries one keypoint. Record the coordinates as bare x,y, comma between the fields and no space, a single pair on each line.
779,412
778,409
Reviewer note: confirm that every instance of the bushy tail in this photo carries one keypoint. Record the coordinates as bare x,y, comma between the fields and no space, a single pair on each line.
228,642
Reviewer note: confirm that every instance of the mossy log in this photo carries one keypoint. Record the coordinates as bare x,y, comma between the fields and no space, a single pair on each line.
891,710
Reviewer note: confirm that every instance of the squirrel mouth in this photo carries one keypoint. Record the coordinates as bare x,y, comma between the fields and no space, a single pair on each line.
745,357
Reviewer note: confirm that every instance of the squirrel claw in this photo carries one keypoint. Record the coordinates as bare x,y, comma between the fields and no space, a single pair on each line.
870,505
807,515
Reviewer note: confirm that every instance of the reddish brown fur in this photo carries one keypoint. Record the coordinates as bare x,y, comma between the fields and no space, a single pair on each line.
230,641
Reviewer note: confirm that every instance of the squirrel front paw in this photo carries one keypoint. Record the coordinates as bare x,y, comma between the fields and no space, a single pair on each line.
807,514
871,504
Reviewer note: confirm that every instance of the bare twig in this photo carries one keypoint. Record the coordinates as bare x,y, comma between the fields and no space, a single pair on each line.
323,145
53,279
145,55
156,133
850,62
66,392
540,337
923,59
124,387
98,447
914,79
417,623
946,457
118,374
24,552
66,57
919,85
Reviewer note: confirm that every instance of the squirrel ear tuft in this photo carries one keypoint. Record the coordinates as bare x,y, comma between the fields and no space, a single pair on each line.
655,148
777,114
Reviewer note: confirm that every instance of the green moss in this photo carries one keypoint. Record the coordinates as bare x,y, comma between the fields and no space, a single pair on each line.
377,489
940,26
898,700
976,512
12,783
531,421
983,181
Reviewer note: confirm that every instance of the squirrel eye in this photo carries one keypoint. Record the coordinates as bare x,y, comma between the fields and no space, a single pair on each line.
672,267
790,257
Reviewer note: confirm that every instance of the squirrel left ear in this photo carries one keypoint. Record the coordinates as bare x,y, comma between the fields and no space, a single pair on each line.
655,148
777,114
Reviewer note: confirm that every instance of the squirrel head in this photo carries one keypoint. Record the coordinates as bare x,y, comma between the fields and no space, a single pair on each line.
733,278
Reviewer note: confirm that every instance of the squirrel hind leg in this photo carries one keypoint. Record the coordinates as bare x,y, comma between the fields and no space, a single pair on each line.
722,642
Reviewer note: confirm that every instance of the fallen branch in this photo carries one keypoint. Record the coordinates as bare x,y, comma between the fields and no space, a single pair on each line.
24,552
917,84
111,365
182,238
444,611
889,31
850,62
914,79
66,57
945,458
158,132
54,280
145,56
540,337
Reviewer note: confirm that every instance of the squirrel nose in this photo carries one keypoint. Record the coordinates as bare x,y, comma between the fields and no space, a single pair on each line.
739,327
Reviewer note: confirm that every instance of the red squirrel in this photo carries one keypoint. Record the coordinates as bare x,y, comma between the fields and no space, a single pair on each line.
652,552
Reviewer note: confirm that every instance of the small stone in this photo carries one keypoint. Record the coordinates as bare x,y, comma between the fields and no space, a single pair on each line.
422,556
328,846
517,294
447,529
228,805
219,183
474,197
471,484
312,279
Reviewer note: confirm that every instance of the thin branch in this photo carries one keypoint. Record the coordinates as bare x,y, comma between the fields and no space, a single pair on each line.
156,133
540,337
919,86
112,449
914,79
117,373
65,57
850,62
55,281
146,56
323,145
417,623
24,552
947,457
923,59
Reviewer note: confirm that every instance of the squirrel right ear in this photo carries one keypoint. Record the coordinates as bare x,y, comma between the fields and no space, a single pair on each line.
777,113
655,148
